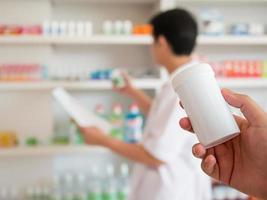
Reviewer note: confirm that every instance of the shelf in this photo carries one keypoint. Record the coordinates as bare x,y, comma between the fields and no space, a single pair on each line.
222,1
50,150
60,40
244,83
108,1
126,40
233,40
148,84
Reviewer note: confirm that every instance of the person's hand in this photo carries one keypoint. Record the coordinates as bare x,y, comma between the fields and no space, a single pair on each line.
242,161
128,89
93,136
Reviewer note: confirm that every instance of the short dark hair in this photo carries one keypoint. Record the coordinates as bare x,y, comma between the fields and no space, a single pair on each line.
180,29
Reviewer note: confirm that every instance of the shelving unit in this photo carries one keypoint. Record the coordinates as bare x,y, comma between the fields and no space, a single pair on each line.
243,83
93,40
51,150
127,40
147,84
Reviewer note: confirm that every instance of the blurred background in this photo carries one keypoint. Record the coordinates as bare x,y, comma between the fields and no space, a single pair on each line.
78,44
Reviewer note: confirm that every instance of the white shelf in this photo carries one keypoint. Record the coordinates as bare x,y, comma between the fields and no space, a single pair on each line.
147,84
233,40
244,83
126,40
60,40
222,1
50,150
109,1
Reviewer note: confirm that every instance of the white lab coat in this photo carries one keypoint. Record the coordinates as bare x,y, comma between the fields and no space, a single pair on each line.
181,177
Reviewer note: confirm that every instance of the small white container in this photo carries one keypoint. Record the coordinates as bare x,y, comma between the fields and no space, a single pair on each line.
127,27
55,28
46,28
119,26
80,29
71,29
63,28
108,27
204,104
88,28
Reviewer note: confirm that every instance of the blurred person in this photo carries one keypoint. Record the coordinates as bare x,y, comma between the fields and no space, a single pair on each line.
242,161
164,169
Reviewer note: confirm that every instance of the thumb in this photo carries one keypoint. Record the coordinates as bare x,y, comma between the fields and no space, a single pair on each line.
250,109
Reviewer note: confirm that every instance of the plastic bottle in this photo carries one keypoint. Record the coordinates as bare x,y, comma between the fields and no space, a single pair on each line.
80,192
127,27
117,121
117,79
123,182
133,125
95,187
100,111
68,187
108,27
109,184
57,192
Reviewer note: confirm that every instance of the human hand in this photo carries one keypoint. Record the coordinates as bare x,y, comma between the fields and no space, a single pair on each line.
242,161
94,136
128,89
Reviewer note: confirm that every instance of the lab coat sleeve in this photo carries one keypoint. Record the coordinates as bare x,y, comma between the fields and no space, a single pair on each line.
164,139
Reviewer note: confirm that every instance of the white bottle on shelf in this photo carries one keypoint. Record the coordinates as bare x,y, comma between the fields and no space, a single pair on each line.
55,30
63,27
81,190
88,29
127,27
46,28
118,27
71,29
80,27
68,186
124,182
108,27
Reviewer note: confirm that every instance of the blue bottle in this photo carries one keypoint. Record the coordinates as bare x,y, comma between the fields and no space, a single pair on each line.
133,125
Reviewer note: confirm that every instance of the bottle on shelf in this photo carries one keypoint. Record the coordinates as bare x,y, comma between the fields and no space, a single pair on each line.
81,190
117,79
57,193
133,125
95,185
68,186
123,182
117,121
100,111
109,184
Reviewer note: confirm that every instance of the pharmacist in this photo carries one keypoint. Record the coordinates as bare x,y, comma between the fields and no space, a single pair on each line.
164,170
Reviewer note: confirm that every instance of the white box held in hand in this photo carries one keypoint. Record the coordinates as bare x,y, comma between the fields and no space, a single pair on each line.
204,104
80,115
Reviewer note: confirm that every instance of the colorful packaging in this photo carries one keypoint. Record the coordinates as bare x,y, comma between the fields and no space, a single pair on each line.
117,79
117,121
133,125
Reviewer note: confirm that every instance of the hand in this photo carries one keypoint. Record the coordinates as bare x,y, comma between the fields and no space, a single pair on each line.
128,89
94,136
242,161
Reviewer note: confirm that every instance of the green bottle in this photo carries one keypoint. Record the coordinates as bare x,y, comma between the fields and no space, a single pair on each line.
117,121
